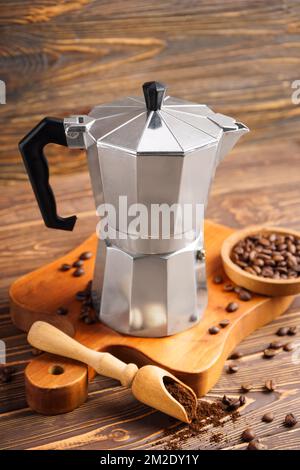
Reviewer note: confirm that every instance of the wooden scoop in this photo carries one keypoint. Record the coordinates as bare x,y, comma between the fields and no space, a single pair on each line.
147,383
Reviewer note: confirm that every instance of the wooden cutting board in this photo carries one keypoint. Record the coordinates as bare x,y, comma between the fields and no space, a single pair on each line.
57,385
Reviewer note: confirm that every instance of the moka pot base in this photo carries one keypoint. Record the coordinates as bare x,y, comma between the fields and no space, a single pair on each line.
56,385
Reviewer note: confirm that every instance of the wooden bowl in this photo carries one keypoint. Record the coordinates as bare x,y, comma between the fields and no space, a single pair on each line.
261,285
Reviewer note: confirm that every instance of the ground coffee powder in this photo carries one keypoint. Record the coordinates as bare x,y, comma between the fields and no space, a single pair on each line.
182,395
208,414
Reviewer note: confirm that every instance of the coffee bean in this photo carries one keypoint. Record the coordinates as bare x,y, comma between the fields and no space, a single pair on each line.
81,295
256,269
282,331
228,288
255,444
224,323
258,262
62,311
288,347
226,400
245,295
290,420
65,267
237,289
276,345
268,417
239,250
242,400
234,405
232,307
89,320
78,272
270,385
77,263
236,355
218,280
6,374
246,388
232,368
291,248
267,272
252,270
86,255
248,435
264,242
292,331
269,353
213,330
36,352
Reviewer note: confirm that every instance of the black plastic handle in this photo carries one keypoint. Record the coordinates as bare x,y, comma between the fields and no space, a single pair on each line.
49,130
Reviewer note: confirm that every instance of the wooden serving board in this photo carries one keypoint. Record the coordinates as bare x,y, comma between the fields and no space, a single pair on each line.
57,385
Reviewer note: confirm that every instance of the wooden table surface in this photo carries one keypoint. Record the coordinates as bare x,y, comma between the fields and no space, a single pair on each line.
240,57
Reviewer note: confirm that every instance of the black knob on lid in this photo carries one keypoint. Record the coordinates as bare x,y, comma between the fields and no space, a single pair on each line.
154,93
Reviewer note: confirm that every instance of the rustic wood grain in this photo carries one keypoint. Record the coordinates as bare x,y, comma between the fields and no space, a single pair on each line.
34,245
63,57
240,57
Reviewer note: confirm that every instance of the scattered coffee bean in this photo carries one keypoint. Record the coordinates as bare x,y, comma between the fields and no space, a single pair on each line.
86,255
226,400
234,404
235,355
213,330
276,345
77,263
65,267
290,420
218,280
246,388
6,373
82,295
245,295
62,311
292,331
228,288
260,256
269,353
224,323
242,400
270,385
36,352
255,444
232,307
248,435
282,331
288,347
78,272
268,417
232,368
88,320
237,289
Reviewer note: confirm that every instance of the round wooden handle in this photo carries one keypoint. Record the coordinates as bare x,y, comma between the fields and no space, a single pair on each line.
47,338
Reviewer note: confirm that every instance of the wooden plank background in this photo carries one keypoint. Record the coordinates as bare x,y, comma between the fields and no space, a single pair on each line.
62,57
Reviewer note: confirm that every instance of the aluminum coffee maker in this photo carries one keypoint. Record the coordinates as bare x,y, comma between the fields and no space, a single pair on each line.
150,151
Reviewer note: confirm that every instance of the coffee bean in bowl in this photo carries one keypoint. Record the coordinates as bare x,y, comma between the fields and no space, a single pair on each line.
264,260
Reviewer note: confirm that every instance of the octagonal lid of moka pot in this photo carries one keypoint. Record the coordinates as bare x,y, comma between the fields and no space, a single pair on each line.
157,124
